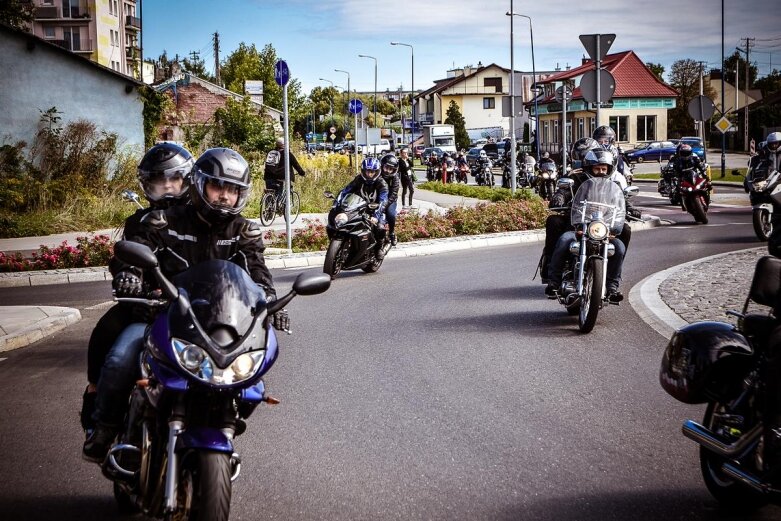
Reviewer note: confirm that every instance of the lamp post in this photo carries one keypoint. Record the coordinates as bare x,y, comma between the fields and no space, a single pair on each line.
375,84
355,130
534,83
513,165
331,100
348,92
412,94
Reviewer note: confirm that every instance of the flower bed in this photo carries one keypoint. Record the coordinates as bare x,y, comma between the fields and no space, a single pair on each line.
89,251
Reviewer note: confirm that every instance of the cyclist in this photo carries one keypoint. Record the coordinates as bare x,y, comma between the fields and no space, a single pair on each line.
274,172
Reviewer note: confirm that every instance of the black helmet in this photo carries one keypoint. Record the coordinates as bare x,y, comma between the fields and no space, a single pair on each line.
220,167
604,135
684,150
581,147
599,157
389,165
160,171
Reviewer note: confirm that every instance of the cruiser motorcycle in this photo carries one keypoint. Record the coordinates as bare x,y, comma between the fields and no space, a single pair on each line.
200,378
546,180
729,368
763,184
353,236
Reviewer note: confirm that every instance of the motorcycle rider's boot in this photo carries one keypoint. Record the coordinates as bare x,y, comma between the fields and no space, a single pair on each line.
393,239
98,443
614,295
544,261
551,290
87,408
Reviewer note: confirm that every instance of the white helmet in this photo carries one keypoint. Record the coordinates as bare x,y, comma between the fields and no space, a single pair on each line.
483,154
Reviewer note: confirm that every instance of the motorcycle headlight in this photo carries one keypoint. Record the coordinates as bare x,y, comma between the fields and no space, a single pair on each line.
597,230
759,186
545,175
197,362
340,219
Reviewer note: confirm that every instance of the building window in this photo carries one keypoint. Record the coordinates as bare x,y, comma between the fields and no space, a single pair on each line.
48,2
620,124
592,126
581,128
646,128
48,31
555,137
489,103
113,7
493,82
544,136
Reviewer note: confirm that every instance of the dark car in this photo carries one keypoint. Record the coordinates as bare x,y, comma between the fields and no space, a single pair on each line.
651,151
427,152
697,146
492,150
472,155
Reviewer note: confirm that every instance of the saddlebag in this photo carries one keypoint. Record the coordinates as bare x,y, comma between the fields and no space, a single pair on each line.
705,361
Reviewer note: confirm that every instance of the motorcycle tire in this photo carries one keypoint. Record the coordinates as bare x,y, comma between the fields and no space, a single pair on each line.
698,210
763,226
373,266
334,258
125,503
729,493
205,491
592,295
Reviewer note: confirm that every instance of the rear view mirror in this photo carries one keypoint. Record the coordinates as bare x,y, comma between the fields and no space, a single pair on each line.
565,182
135,254
631,191
328,194
311,283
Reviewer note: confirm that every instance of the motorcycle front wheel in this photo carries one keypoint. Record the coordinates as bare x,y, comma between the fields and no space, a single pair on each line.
334,258
592,295
204,492
697,207
763,226
728,493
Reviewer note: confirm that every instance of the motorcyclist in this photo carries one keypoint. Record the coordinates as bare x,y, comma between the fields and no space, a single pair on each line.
370,185
274,171
390,174
773,157
598,164
462,166
433,165
181,236
483,162
164,177
685,159
605,137
446,161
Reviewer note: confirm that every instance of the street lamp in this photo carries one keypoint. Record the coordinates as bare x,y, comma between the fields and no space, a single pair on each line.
412,95
534,84
348,93
375,84
331,100
512,102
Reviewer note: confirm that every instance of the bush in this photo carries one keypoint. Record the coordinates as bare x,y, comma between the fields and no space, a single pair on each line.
89,251
479,192
313,237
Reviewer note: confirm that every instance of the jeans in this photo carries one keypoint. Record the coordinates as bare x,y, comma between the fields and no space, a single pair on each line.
118,376
390,216
561,252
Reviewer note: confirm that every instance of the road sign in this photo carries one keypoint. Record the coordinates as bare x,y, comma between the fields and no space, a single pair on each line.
752,147
356,106
281,73
701,108
589,41
332,130
309,136
563,92
723,124
332,136
588,85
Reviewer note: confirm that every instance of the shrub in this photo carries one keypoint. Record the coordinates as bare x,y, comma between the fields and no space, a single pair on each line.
479,192
89,251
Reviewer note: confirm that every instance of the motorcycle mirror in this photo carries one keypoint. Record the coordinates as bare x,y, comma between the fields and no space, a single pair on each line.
631,191
129,195
311,283
328,194
135,254
565,182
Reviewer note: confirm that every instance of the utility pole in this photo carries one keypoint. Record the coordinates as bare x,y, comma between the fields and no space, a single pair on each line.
749,42
701,124
217,58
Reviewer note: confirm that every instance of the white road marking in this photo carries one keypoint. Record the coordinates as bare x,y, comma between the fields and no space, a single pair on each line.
1,359
299,268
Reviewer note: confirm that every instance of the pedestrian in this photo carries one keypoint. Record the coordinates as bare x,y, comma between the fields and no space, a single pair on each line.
407,176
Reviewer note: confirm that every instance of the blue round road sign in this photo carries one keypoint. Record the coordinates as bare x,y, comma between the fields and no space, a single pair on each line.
281,73
356,106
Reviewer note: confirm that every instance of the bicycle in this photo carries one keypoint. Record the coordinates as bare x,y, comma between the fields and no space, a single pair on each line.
273,204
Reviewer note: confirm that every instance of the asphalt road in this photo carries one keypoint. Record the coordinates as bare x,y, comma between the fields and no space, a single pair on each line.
442,387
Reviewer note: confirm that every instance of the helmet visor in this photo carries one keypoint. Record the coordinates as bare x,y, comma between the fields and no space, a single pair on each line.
221,194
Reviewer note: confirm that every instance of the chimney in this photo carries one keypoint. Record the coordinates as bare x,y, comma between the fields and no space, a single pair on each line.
567,67
584,60
558,67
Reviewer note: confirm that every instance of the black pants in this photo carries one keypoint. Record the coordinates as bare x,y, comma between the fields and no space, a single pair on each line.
772,401
774,242
406,184
106,331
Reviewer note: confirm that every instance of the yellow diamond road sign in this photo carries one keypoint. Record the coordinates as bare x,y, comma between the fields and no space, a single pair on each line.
723,124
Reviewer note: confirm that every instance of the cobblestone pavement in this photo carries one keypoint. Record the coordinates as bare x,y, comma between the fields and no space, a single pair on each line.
705,291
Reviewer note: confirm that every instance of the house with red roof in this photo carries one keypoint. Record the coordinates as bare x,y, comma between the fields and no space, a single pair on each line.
637,111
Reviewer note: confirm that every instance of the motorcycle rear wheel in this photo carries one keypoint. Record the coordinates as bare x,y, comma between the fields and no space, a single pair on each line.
763,226
698,210
592,295
334,258
729,493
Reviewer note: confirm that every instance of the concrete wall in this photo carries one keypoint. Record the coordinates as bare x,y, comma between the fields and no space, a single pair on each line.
37,76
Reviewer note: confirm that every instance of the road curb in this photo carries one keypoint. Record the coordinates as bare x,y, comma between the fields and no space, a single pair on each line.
52,320
308,259
649,304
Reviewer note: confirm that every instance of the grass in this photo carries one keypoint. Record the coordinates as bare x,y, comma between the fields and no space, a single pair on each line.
715,175
478,192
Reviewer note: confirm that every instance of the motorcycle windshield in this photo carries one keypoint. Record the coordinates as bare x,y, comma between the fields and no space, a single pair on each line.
351,202
222,295
599,199
548,167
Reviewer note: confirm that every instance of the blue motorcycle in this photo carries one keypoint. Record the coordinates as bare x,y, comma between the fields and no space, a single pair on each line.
199,380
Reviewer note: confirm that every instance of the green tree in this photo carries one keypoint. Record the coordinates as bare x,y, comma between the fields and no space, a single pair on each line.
455,118
737,60
769,84
657,69
239,125
685,78
17,13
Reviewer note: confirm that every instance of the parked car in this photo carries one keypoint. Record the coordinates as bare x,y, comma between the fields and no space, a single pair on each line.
651,151
419,151
493,151
427,152
697,145
472,155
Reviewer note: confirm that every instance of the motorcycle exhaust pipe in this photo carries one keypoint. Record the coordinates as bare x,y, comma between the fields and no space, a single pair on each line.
707,439
111,467
745,478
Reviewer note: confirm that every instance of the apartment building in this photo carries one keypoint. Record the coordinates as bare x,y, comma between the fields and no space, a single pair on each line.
107,32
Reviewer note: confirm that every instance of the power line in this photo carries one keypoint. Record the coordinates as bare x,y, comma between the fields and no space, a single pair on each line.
768,39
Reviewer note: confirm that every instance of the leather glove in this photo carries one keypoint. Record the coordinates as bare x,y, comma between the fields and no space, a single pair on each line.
634,212
127,284
281,320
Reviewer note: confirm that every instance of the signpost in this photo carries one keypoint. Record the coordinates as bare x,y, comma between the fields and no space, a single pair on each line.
356,107
596,46
563,95
723,125
282,77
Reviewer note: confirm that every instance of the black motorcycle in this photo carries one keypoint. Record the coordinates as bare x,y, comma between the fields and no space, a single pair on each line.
547,179
353,236
669,184
727,367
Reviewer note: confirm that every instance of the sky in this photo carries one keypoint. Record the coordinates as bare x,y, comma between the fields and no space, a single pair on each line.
314,38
